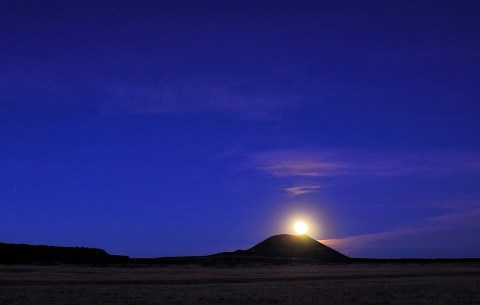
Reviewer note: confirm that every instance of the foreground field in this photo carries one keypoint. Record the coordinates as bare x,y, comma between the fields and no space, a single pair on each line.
329,284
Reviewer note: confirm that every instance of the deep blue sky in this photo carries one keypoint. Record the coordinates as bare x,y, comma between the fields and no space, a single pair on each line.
155,128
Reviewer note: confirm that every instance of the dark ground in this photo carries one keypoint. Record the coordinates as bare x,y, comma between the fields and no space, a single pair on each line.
359,283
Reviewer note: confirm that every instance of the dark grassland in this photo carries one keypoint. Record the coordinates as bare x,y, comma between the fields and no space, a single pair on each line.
360,283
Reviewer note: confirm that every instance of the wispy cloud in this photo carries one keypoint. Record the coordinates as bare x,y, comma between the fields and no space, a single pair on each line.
301,190
294,163
348,163
197,96
432,232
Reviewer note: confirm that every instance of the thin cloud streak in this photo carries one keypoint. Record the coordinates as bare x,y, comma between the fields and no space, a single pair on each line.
304,168
465,216
344,163
196,96
292,163
301,190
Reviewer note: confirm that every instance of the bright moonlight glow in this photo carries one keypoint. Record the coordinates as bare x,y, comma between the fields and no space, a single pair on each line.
301,227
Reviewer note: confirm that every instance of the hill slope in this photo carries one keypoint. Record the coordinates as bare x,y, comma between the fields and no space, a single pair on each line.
295,246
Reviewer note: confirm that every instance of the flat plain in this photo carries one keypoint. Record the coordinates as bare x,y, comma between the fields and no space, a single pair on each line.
413,283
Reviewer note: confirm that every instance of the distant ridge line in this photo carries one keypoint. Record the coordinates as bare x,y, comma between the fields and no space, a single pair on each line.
278,250
41,254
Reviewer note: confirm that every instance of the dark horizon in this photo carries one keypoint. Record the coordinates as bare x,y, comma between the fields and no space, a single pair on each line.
87,254
161,128
282,249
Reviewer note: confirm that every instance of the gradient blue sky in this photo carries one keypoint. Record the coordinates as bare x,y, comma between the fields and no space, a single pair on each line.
158,128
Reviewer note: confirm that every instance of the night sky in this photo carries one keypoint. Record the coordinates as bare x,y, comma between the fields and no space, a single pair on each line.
161,128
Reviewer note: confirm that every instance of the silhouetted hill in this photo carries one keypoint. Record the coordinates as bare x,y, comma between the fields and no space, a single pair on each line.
285,249
295,246
281,249
32,254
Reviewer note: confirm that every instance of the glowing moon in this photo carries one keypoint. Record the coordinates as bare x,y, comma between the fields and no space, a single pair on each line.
300,227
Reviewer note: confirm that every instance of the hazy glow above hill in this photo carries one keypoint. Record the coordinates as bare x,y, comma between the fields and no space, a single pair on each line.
301,227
